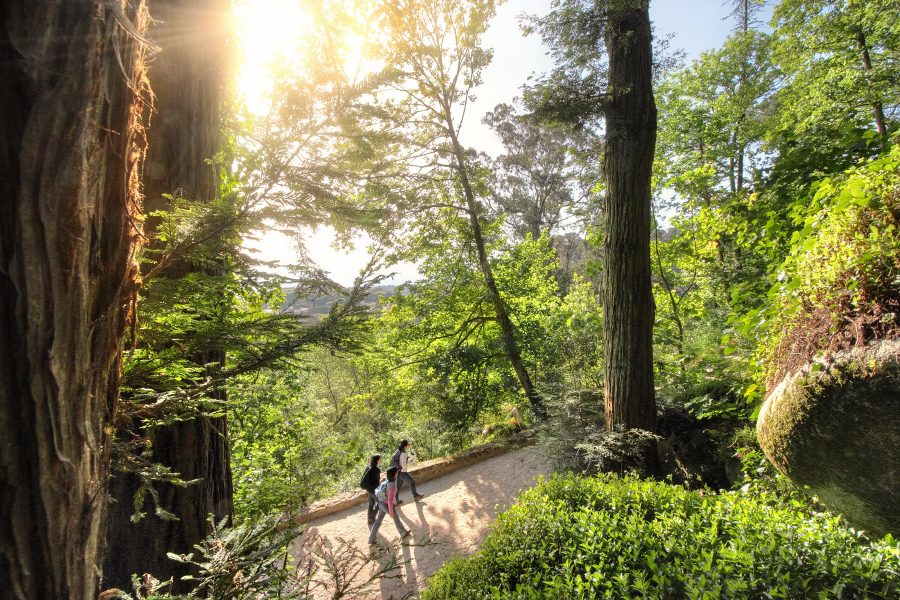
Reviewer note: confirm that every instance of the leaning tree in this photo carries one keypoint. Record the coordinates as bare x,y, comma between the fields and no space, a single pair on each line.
435,47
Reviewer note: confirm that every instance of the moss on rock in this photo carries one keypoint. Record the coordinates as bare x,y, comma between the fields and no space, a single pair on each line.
834,426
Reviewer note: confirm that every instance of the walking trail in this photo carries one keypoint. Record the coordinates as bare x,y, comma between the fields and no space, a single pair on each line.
457,511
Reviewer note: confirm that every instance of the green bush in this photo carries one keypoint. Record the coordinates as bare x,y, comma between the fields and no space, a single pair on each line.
607,537
715,398
837,287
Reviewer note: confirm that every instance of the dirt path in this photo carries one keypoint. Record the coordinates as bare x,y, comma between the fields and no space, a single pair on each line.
457,511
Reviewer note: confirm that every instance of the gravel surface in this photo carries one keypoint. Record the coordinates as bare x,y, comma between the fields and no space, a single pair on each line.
455,514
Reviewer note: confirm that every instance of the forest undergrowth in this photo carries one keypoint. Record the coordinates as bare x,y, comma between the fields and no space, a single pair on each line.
775,237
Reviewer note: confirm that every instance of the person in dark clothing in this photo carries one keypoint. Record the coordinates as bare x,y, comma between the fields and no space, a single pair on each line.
371,479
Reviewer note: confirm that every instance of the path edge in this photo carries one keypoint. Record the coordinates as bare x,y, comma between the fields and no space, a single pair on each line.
425,471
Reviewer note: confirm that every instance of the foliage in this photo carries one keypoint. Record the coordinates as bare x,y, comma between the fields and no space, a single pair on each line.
758,186
841,59
575,416
753,134
715,114
572,341
577,440
607,537
715,398
837,286
618,450
432,372
744,14
714,117
254,560
303,436
576,93
284,455
762,479
203,325
444,328
238,562
545,176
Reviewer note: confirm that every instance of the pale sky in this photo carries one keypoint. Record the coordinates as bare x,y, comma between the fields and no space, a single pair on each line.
698,26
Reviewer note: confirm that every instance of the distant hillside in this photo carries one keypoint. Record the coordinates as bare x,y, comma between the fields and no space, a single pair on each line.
322,304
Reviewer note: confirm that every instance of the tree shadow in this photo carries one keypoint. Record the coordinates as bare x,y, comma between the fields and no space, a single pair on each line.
453,518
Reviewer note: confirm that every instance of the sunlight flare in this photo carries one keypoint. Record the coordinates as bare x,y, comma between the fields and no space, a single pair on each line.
266,29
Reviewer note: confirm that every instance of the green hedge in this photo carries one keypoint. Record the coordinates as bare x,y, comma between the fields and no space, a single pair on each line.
607,537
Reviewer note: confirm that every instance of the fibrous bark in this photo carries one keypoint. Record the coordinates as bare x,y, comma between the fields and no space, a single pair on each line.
187,80
70,148
628,310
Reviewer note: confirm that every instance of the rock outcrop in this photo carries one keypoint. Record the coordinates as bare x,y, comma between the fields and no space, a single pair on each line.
834,426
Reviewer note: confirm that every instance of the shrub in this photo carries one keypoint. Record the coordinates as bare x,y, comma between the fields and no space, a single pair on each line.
762,478
714,398
837,287
607,537
575,416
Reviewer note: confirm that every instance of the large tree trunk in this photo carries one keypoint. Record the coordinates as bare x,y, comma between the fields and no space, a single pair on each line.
70,111
187,77
628,310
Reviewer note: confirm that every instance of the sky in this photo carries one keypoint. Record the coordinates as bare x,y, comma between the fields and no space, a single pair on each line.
698,26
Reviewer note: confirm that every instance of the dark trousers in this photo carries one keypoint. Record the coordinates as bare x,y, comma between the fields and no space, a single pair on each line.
404,476
373,507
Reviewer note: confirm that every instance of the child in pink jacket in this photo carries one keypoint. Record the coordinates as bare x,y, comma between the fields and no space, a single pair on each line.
387,506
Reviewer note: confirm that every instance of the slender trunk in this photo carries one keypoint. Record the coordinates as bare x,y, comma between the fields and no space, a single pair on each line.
628,163
673,301
506,326
707,200
71,109
732,184
877,108
187,78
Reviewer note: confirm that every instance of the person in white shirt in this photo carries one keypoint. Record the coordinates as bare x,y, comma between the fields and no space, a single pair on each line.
401,460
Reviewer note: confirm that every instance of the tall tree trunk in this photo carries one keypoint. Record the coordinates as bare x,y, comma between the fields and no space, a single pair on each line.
507,331
628,311
187,79
70,106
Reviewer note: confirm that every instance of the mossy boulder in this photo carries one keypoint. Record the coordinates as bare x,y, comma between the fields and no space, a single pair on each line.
834,426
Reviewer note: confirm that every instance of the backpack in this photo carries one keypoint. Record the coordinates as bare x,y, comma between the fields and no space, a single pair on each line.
395,459
381,492
365,482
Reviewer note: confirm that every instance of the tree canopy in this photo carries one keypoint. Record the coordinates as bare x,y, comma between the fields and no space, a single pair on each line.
655,246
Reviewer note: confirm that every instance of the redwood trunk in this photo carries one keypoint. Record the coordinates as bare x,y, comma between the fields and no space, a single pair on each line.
187,80
628,310
68,165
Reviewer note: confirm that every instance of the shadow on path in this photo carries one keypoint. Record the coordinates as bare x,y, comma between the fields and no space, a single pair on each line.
453,518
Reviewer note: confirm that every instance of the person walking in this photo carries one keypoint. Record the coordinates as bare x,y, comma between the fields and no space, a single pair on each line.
370,480
386,494
400,459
